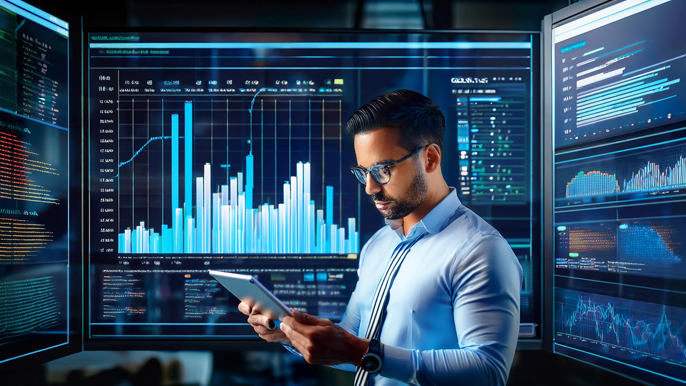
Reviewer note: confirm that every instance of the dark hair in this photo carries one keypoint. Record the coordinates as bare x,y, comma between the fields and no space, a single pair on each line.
418,118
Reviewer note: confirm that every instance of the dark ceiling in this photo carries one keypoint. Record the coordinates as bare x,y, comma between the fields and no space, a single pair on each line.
440,14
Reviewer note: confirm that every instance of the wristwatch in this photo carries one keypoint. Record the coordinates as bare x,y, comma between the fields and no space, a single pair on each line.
372,359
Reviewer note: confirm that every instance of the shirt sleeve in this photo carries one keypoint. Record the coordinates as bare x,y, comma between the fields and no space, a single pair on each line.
485,285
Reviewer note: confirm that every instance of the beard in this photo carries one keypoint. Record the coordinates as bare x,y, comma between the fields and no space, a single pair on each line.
399,208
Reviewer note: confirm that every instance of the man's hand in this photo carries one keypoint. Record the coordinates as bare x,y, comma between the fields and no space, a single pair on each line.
322,342
261,324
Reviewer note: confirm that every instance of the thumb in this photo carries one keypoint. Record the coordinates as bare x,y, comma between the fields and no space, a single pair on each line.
305,318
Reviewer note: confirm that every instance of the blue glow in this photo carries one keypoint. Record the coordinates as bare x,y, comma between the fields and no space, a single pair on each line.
322,45
484,99
37,16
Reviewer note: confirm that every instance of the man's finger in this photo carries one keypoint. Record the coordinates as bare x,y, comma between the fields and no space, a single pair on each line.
295,325
244,308
269,338
305,318
298,345
264,330
261,320
290,332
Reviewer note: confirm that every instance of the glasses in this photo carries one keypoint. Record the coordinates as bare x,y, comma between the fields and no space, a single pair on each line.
381,173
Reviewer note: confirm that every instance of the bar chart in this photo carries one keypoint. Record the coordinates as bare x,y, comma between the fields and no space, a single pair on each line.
209,202
640,172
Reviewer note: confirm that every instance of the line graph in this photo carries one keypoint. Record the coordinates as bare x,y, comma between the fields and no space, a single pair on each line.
647,329
141,149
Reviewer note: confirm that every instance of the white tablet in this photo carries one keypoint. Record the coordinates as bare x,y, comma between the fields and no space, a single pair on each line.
250,291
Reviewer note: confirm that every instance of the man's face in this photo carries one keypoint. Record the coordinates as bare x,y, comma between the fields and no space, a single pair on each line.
407,188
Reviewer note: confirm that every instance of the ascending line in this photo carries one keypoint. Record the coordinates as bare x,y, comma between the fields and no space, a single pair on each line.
140,150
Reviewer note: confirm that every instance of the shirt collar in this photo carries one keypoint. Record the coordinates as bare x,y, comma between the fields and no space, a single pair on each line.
433,222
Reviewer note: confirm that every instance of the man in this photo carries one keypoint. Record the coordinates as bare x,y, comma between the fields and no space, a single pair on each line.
437,300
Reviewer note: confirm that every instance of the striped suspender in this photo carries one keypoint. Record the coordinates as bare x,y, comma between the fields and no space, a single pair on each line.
381,300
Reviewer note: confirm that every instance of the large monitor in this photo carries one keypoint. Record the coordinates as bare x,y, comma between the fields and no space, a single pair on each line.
227,150
36,282
616,197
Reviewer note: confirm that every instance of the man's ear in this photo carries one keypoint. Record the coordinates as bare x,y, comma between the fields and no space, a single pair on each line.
433,158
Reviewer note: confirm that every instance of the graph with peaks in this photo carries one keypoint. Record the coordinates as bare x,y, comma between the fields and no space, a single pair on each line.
654,171
631,329
648,247
212,210
592,183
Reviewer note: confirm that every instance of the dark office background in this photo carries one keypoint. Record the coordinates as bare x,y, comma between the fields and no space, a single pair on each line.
277,367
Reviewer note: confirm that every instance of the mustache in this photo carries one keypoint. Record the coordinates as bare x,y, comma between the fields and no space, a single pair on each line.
381,197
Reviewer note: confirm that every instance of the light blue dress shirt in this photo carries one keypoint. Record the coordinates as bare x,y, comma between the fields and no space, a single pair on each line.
453,312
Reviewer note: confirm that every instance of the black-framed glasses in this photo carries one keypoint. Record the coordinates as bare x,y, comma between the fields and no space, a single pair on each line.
381,173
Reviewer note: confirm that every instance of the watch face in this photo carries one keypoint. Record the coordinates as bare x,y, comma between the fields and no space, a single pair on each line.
370,363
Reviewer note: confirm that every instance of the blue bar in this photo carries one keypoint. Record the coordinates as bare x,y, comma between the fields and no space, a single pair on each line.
594,51
248,181
484,99
320,45
175,163
188,155
329,218
134,241
165,242
177,228
155,243
622,90
122,246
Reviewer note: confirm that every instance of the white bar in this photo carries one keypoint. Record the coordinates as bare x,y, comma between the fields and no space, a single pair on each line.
320,223
312,230
241,224
273,226
300,208
306,222
333,239
215,231
199,215
292,229
225,195
234,212
287,218
599,77
352,228
207,228
146,241
140,237
127,240
322,238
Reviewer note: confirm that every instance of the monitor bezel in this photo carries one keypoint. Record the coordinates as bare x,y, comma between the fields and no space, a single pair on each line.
549,22
76,185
